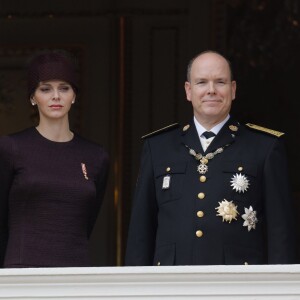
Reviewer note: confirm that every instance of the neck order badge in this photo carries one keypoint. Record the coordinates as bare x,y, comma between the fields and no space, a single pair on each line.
203,160
202,168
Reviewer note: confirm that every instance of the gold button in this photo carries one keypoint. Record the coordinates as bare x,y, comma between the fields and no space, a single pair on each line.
168,169
202,178
158,263
199,233
200,213
201,195
240,168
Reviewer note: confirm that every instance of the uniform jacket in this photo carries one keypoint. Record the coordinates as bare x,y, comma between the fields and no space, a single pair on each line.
165,223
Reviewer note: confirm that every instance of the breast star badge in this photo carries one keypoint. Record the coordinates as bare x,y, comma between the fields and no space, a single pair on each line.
239,183
227,210
250,218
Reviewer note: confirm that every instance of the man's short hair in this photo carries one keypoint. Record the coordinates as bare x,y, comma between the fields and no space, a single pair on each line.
190,64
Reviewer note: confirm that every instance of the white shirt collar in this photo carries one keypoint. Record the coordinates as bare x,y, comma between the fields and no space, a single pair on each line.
215,129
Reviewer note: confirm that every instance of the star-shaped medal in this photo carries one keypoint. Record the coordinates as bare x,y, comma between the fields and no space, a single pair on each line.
250,218
227,210
240,183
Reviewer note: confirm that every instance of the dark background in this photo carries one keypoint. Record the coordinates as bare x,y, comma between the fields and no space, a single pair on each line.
133,56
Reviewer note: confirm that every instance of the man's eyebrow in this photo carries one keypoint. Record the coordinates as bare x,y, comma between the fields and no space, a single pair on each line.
200,78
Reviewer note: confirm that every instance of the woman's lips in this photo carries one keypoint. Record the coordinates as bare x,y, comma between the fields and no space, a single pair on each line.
56,106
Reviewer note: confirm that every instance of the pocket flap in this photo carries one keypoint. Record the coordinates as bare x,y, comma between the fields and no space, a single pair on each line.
240,167
171,168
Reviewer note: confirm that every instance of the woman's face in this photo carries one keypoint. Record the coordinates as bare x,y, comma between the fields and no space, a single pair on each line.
54,99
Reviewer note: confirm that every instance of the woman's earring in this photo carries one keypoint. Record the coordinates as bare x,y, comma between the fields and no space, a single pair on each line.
73,101
32,102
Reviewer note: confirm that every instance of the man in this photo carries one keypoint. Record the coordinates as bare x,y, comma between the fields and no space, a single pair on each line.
213,191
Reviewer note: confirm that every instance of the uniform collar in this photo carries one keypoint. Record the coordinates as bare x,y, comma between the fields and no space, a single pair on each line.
227,135
200,129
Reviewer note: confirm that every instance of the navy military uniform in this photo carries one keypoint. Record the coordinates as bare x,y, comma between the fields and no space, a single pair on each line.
181,217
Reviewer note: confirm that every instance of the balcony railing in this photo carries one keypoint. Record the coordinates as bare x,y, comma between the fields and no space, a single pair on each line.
178,282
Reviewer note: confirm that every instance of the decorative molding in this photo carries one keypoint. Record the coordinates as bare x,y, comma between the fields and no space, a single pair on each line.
186,282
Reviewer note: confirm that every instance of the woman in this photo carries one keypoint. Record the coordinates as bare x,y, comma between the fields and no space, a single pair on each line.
51,180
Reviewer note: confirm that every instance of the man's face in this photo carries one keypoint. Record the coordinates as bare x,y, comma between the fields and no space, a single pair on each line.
210,89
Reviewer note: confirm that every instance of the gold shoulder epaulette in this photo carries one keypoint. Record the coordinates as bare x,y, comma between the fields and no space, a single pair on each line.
161,130
267,130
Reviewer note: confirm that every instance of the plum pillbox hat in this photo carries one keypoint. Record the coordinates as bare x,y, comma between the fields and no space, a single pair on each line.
51,66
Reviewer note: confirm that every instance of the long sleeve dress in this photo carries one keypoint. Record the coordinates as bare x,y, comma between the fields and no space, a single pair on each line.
50,195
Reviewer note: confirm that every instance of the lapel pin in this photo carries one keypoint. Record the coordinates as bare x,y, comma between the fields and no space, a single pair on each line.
233,128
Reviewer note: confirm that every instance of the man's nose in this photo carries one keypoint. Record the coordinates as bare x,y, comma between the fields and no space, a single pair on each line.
211,88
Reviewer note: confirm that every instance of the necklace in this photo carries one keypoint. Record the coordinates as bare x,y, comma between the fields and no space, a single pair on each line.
202,168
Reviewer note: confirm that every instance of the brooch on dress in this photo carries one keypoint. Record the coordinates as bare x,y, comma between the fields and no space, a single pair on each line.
250,218
239,183
227,210
84,171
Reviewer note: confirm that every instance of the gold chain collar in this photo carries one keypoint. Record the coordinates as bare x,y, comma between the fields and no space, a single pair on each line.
204,159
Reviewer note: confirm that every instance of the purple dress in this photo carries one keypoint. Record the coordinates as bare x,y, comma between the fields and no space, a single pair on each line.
50,195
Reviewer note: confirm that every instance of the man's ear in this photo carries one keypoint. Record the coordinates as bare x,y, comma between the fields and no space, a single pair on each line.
233,89
187,87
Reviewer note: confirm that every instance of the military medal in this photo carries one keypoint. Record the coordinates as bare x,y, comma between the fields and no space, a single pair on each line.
227,210
166,182
250,218
239,183
84,171
202,168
